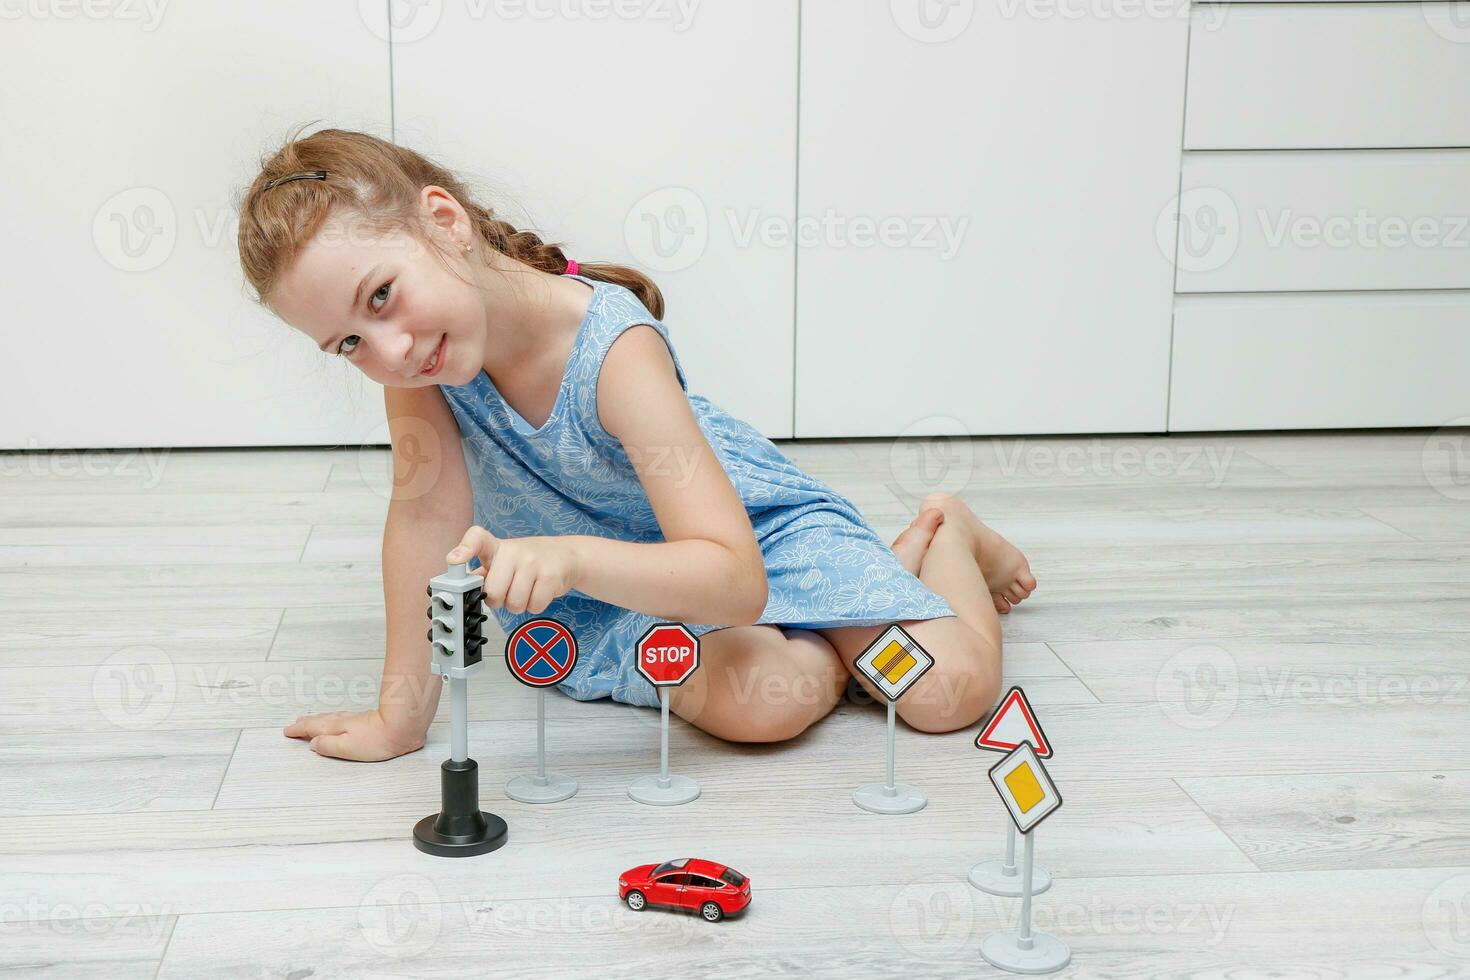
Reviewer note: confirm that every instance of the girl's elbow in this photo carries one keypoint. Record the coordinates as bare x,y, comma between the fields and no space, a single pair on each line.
760,596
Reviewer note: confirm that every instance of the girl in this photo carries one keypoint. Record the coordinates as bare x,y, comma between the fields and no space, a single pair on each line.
541,401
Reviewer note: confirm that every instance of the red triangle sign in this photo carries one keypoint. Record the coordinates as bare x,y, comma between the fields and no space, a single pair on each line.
1014,722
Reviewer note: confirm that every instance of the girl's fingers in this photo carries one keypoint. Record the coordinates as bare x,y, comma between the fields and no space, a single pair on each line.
336,746
518,596
477,542
540,597
497,583
310,726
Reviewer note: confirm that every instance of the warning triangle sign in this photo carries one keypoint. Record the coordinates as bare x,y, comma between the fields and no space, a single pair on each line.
1014,722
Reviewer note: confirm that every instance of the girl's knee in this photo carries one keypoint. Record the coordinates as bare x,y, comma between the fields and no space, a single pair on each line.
768,692
959,689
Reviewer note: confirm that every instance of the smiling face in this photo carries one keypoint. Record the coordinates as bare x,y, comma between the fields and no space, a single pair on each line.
386,303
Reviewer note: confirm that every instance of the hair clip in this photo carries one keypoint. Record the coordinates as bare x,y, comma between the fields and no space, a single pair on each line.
304,175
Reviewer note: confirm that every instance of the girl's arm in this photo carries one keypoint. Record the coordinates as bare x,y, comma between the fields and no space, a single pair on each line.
709,567
431,506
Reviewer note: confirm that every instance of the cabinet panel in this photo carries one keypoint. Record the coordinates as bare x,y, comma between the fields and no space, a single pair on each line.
124,148
982,200
1312,220
1328,360
1268,76
664,139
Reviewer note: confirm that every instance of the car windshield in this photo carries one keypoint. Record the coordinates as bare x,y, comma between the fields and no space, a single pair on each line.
670,866
733,877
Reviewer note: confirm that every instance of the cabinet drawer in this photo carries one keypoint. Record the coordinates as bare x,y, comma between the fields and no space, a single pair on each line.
1324,219
1329,360
1269,75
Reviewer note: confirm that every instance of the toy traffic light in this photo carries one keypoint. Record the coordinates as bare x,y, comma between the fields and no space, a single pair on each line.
456,624
460,828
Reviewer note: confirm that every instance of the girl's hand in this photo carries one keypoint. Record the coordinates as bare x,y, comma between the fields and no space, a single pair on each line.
362,736
521,574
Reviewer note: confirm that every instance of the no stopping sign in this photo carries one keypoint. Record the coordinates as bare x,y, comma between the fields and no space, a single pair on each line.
541,652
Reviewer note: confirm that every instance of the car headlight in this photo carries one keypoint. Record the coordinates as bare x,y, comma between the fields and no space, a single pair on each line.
622,883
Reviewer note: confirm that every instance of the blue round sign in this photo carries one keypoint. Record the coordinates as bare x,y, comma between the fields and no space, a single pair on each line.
541,652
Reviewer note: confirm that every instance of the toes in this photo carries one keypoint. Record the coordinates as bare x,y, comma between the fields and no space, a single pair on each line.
1026,580
1015,593
1002,604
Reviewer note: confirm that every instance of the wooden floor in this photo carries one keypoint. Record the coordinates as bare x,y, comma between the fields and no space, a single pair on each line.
1251,652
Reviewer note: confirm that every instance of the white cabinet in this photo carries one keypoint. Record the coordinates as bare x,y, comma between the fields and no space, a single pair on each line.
982,191
662,137
1309,220
1320,360
1291,76
125,321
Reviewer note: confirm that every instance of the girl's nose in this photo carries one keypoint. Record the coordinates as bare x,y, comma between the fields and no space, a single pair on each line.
396,350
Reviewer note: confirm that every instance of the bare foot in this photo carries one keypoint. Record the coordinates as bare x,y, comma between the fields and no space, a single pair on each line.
913,542
1007,573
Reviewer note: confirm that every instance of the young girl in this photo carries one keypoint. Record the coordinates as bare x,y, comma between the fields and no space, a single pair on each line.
541,401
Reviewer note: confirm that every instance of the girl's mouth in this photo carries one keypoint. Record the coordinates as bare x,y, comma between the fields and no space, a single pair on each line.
436,360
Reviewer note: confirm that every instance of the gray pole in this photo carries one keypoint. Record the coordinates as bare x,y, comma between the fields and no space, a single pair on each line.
458,714
1009,867
663,737
1025,941
888,785
541,735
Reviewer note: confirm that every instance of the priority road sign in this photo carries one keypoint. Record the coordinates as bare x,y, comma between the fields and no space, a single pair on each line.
667,654
1013,723
541,652
894,661
1025,787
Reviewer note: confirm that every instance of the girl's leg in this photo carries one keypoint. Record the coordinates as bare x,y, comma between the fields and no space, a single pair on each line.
979,574
760,683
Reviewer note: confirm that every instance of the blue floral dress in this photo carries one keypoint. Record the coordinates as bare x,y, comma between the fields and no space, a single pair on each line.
824,565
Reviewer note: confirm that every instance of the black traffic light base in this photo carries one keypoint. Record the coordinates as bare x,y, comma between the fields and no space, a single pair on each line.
460,828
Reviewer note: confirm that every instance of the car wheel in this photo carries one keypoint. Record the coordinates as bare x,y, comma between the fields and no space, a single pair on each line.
636,901
711,912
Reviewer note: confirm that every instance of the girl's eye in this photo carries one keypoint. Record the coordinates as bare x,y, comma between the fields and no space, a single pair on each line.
382,292
348,345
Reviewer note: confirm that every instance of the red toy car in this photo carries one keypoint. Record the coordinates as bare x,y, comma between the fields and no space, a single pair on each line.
712,890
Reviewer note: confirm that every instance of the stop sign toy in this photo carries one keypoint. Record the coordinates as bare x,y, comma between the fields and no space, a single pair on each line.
541,653
667,655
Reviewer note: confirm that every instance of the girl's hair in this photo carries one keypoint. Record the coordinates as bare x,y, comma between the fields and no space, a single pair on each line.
379,182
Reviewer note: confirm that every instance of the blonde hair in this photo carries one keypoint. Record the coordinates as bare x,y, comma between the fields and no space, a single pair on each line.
379,182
